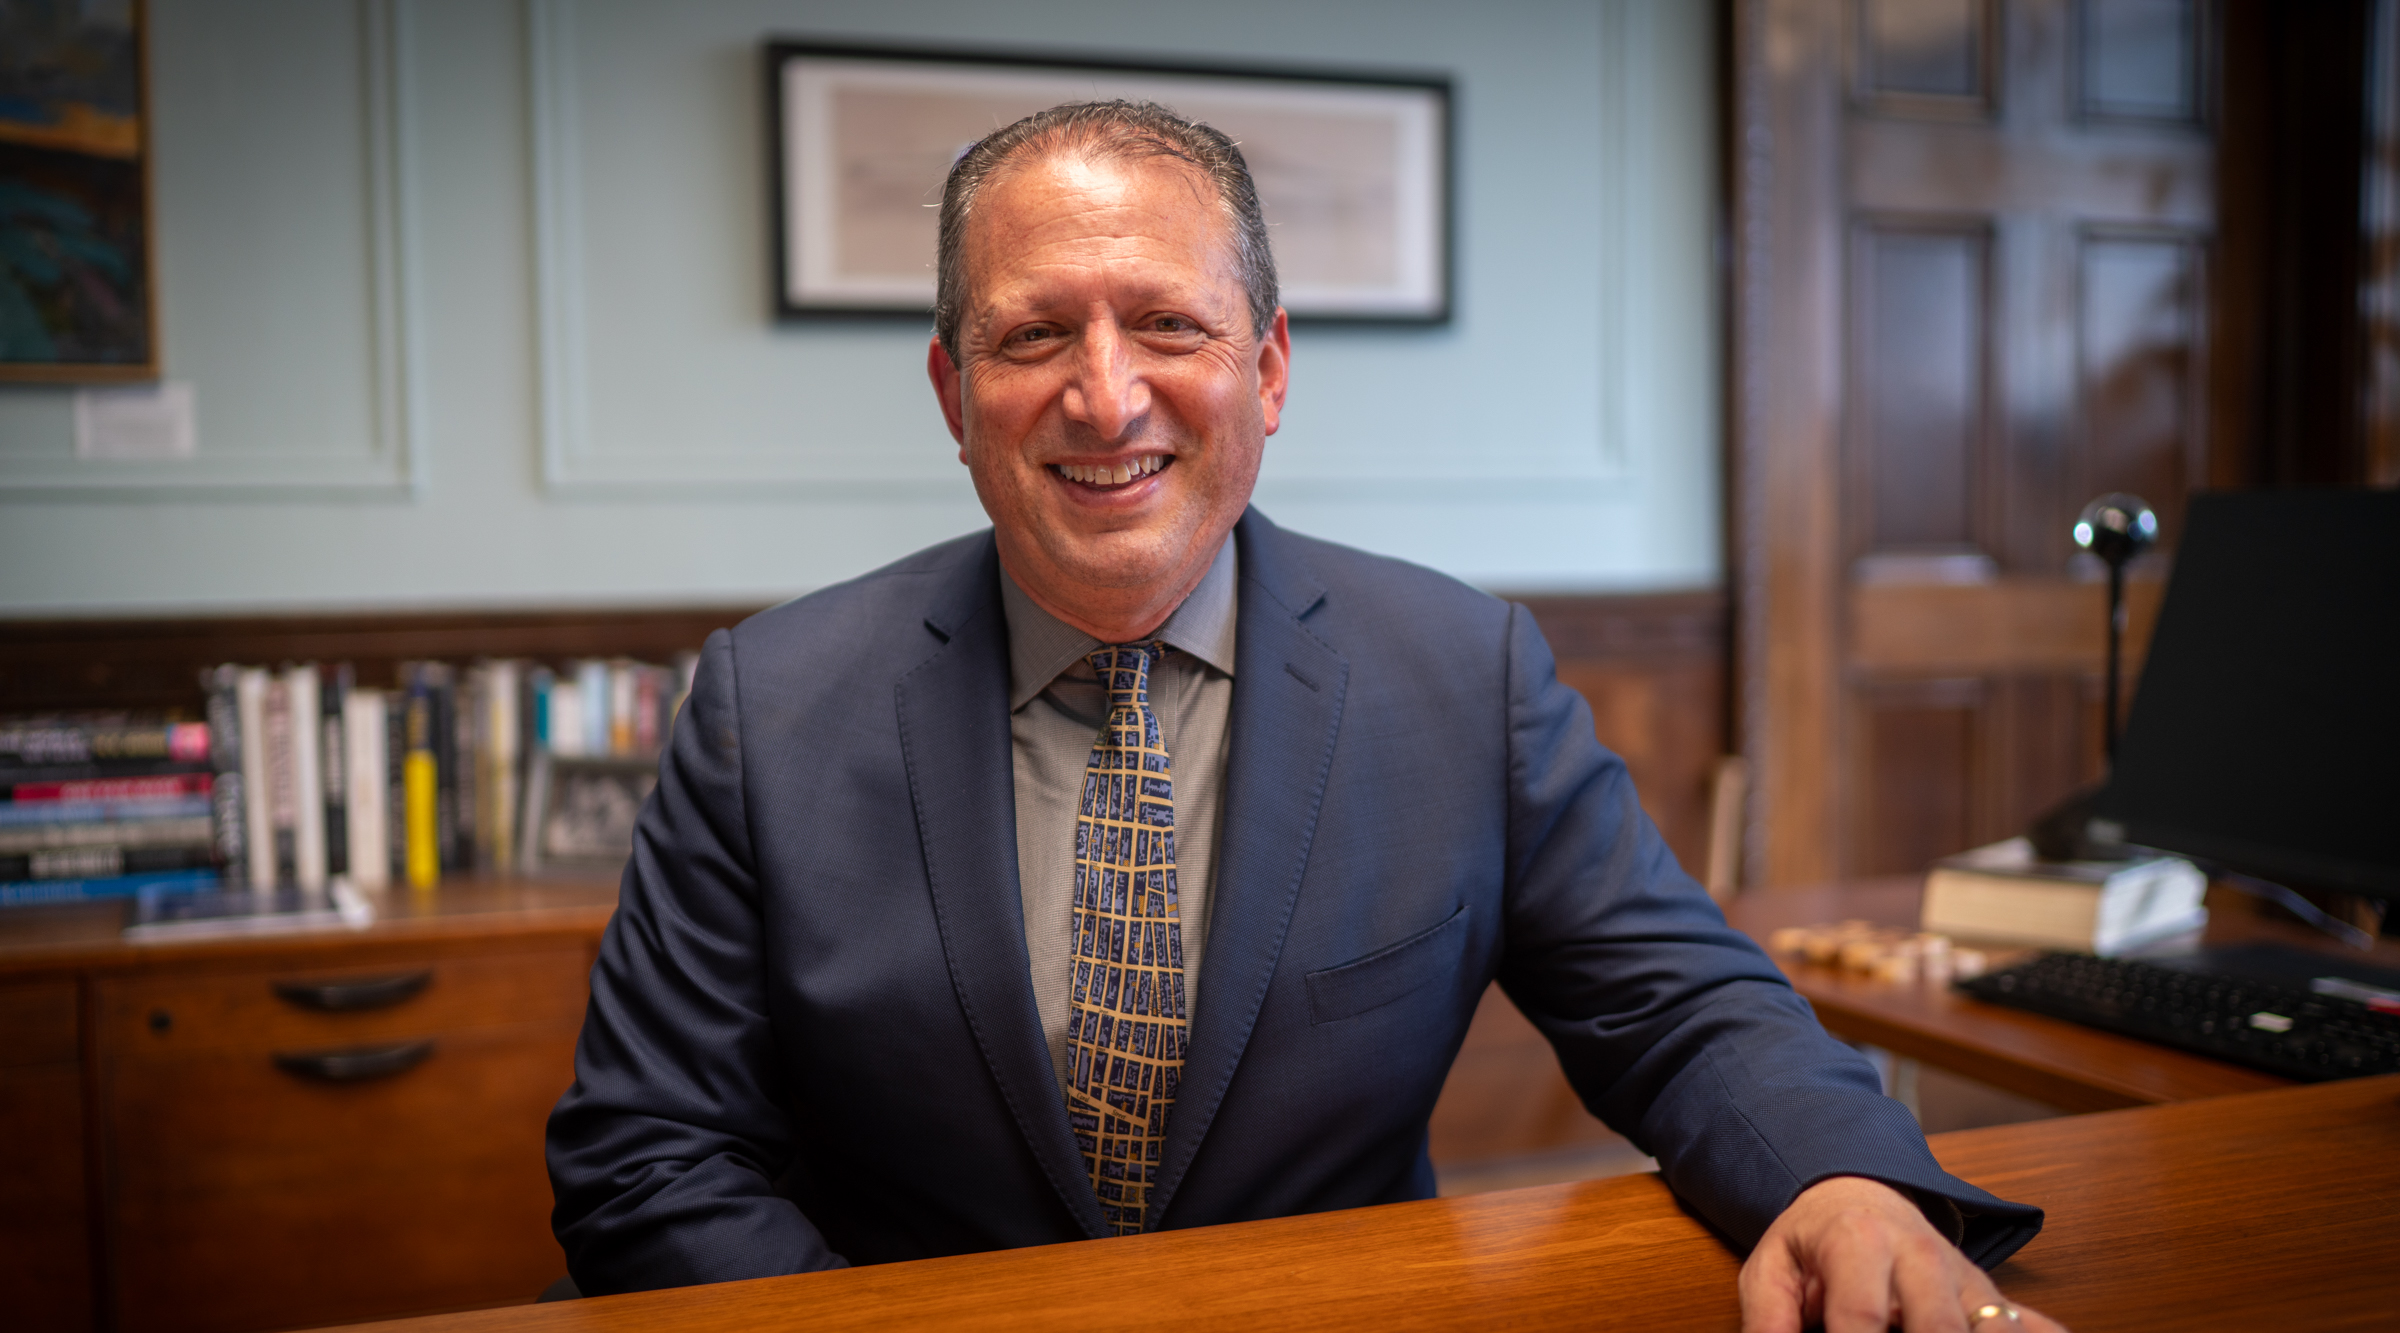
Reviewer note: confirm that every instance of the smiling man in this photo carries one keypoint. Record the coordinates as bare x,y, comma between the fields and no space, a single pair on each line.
1137,865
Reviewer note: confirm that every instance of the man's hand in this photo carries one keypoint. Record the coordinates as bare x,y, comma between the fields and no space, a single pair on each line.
1857,1256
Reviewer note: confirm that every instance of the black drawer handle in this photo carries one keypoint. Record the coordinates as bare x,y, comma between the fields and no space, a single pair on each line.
354,993
355,1064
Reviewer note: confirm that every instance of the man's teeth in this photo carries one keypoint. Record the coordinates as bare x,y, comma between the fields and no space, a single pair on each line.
1112,474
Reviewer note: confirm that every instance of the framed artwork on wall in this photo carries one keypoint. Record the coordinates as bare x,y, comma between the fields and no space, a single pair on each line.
1353,170
77,300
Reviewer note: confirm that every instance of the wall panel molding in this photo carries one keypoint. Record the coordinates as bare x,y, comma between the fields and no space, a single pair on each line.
389,460
579,460
1626,88
574,462
556,152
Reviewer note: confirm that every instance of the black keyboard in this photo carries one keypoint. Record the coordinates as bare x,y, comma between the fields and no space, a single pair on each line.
2282,1029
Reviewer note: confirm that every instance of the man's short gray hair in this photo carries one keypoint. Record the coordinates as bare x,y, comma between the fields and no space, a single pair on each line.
1104,130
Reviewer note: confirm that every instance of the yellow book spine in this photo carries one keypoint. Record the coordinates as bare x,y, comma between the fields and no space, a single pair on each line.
417,784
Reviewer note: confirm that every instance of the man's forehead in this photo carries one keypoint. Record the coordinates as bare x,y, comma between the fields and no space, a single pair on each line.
1086,199
1048,188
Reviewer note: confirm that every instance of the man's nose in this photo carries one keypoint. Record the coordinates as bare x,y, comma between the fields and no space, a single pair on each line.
1107,394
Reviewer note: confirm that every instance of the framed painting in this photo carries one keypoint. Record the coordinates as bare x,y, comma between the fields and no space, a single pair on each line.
1353,170
76,288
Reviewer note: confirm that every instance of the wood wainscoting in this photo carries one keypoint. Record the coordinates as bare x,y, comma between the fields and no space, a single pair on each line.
1652,666
156,663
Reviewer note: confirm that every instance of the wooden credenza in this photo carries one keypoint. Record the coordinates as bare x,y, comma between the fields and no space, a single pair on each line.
286,1131
290,1131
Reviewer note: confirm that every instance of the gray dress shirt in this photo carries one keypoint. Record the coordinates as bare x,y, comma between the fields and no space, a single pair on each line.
1056,707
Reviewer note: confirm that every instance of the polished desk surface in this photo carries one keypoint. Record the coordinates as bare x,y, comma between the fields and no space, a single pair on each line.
71,937
2263,1210
2069,1066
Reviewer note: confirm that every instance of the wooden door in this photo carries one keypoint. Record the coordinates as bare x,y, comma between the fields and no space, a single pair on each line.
1972,241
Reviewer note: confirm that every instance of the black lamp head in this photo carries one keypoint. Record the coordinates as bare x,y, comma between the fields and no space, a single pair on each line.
2117,527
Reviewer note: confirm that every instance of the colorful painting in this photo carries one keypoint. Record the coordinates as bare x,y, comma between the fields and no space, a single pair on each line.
75,284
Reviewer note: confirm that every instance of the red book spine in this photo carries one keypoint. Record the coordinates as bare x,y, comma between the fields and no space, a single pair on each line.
645,711
165,787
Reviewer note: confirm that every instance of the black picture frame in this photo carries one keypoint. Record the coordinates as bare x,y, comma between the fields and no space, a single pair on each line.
598,796
1347,217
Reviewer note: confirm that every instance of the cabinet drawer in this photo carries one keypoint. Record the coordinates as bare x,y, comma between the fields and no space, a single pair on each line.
246,1197
175,1014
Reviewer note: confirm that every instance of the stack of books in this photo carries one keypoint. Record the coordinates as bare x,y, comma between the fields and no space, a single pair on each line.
105,805
301,777
2006,894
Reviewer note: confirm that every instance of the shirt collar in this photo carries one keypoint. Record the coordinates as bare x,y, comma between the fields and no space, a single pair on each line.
1041,646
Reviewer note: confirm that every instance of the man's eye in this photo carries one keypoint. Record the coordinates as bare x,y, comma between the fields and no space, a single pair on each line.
1036,335
1171,324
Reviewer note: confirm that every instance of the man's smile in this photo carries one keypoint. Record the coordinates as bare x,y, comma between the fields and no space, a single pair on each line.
1113,476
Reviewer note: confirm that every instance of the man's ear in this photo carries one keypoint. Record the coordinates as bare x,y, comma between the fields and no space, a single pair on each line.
1274,370
948,391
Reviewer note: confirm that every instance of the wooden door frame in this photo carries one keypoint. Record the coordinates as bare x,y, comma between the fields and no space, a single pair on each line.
1783,464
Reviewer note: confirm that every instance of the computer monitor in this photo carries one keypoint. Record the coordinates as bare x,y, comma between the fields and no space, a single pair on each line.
2265,735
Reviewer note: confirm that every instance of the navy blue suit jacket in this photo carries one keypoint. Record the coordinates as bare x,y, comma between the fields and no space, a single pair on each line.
812,1036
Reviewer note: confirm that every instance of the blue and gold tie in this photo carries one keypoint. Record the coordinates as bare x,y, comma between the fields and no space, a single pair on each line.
1126,1028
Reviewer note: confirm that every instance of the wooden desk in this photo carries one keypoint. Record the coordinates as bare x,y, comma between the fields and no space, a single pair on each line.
162,1165
2265,1210
2065,1064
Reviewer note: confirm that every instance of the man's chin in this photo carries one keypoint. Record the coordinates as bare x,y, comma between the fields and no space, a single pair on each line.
1086,570
1118,560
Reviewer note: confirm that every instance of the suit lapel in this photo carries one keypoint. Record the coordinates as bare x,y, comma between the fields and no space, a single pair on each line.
1287,710
954,739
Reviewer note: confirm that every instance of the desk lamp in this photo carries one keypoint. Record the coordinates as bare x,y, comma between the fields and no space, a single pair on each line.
2116,527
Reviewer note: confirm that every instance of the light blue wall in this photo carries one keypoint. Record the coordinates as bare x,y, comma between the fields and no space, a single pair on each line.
385,227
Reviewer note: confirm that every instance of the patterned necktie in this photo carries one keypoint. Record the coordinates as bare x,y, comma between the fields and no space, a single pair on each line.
1126,1030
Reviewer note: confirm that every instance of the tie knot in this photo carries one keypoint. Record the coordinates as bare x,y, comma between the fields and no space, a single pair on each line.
1124,669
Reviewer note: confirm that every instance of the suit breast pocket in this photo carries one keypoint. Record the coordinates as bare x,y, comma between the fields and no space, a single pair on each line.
1387,974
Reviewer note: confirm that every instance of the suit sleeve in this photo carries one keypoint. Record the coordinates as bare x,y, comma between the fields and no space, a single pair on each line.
663,1154
1673,1027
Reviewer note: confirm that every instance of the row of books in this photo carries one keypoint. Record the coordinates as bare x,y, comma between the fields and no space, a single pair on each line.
110,803
299,776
